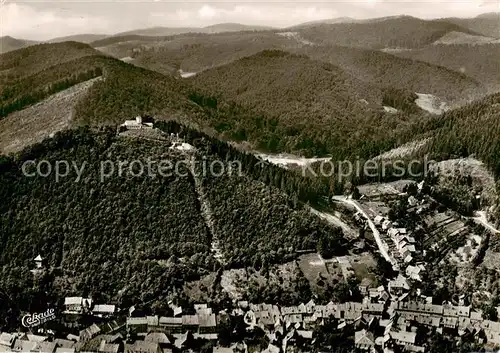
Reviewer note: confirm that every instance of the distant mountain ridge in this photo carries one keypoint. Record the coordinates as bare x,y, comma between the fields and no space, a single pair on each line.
8,43
393,32
217,28
82,38
487,24
325,21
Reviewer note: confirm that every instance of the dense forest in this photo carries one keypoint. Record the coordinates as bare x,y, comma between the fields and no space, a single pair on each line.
19,96
34,73
477,61
411,33
274,103
473,130
195,53
97,238
285,86
412,71
133,239
28,61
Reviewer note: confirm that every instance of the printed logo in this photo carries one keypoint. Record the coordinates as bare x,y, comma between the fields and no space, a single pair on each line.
33,320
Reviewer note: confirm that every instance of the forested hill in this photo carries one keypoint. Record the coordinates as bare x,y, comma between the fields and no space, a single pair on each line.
388,70
273,100
487,24
32,74
8,43
198,52
395,32
311,107
27,61
102,42
130,91
477,61
471,130
128,240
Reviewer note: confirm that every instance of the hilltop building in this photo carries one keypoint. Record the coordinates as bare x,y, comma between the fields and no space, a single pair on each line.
38,266
138,123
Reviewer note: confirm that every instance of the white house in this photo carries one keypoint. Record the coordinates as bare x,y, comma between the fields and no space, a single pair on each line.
413,272
103,310
404,338
77,305
38,261
136,124
398,285
364,340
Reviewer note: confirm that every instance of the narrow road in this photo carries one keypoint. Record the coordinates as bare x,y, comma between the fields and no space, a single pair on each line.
481,218
335,221
376,233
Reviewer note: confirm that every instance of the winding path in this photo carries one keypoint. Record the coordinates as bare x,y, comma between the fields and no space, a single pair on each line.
481,218
376,233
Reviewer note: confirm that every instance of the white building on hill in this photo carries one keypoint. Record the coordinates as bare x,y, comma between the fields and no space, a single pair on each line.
136,124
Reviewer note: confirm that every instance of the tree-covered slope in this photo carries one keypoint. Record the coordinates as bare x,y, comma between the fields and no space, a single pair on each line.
477,61
131,238
310,107
28,61
487,24
128,90
32,74
471,130
388,70
8,43
192,52
401,32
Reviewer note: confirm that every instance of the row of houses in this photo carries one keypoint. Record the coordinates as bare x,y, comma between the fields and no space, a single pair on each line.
304,317
403,241
460,318
80,305
404,317
20,342
204,321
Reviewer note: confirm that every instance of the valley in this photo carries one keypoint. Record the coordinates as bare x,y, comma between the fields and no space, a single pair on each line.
329,186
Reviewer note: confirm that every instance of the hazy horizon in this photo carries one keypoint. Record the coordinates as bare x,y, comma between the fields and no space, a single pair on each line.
44,20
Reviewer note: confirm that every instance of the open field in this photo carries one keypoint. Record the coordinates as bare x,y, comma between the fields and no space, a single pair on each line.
379,189
312,265
236,281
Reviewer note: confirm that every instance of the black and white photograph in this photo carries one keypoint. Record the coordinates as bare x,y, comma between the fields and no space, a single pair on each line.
224,176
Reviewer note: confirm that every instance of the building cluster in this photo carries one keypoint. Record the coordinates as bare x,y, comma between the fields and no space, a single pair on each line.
403,248
448,318
80,306
285,325
20,342
182,327
380,324
400,329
